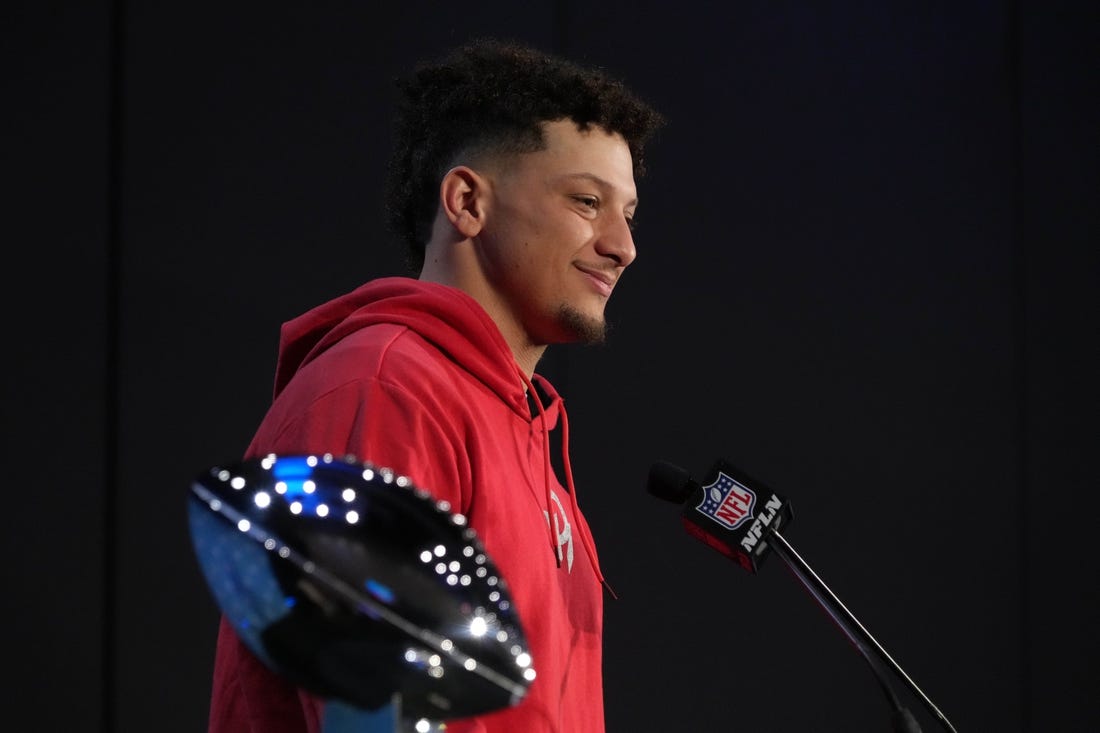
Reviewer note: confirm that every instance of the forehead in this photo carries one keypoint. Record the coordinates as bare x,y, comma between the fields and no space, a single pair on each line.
571,152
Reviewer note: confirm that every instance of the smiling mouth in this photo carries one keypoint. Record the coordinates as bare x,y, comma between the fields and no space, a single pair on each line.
601,281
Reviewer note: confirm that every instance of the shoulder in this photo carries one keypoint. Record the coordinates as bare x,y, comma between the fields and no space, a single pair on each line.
379,364
386,354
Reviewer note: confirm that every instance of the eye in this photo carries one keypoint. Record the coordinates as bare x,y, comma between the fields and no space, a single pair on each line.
590,202
631,223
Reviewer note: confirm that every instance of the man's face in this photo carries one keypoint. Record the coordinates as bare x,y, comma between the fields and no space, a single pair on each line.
558,234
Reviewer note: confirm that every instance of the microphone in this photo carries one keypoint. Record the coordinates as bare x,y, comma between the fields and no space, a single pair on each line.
740,517
725,514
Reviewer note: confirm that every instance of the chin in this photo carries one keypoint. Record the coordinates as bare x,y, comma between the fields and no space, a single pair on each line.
581,327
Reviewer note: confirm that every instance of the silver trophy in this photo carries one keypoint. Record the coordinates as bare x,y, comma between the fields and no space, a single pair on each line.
360,587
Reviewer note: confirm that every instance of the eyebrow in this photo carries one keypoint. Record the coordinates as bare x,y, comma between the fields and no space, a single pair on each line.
598,181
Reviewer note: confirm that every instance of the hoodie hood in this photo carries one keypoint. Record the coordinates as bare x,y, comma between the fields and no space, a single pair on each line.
450,319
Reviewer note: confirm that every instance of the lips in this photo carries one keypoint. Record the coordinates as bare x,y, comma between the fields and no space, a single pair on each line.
602,280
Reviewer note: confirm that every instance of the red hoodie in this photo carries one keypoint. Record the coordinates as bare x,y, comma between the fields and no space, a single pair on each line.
416,377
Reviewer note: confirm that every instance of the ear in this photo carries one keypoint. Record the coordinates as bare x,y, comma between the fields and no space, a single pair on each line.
463,195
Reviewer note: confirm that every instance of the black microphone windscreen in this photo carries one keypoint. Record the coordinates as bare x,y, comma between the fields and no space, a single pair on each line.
670,482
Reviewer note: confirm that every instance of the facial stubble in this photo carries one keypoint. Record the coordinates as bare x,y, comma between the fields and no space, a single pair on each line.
582,328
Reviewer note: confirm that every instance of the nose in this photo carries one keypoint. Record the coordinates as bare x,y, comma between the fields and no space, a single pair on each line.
617,241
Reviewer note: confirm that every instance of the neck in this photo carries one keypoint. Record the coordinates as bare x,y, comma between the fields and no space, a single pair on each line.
528,358
438,269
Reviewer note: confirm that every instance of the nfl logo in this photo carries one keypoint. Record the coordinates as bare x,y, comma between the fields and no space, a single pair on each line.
727,502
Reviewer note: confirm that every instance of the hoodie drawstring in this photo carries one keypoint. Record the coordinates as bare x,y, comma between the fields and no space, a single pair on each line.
586,537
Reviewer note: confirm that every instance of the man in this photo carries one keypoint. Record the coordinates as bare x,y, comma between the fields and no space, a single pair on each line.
513,184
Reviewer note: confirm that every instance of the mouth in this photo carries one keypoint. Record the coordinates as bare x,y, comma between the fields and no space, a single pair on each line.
601,280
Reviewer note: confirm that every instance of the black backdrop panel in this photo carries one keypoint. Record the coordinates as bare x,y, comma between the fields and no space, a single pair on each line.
1059,223
824,295
256,147
57,402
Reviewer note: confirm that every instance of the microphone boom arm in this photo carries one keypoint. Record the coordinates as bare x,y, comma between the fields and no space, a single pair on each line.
853,629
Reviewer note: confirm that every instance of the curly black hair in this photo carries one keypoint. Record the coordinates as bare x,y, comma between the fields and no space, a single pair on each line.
493,96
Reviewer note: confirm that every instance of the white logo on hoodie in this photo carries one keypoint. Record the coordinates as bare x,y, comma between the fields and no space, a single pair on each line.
563,530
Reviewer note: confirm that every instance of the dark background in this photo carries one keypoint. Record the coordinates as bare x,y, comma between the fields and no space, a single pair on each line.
867,274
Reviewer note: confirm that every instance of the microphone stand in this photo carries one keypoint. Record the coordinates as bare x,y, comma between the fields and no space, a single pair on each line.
903,720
